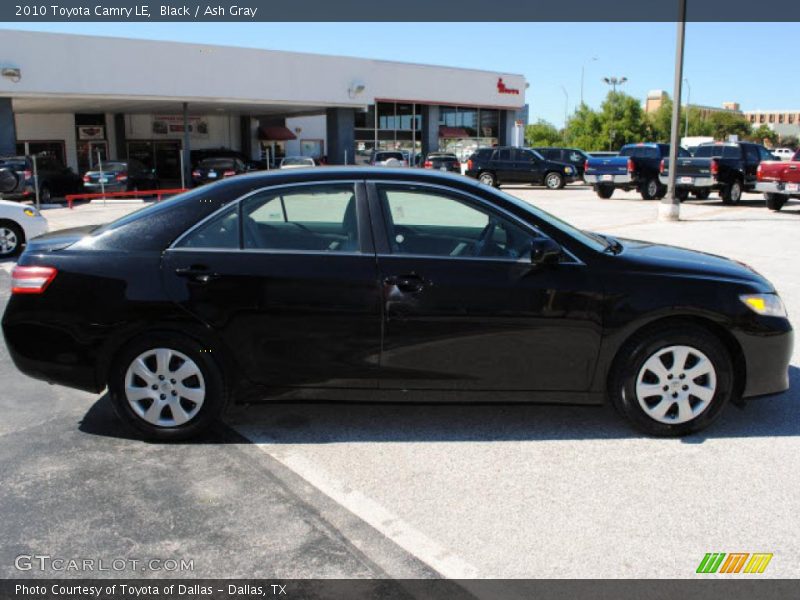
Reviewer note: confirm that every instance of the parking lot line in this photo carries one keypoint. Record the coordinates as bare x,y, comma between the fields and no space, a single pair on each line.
407,537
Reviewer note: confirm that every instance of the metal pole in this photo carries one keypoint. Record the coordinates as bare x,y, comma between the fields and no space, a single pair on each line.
688,100
583,68
36,181
102,176
566,105
186,149
183,174
669,209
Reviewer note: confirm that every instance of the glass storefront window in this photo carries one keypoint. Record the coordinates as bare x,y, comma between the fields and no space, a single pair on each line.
386,116
489,123
365,119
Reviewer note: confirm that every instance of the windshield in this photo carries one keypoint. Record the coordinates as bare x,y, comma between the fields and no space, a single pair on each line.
717,151
389,156
114,166
593,241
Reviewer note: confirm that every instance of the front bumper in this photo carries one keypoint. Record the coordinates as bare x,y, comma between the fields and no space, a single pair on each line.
626,179
767,355
34,226
776,187
696,182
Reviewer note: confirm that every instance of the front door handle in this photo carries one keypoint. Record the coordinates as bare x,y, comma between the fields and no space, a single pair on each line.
199,273
406,283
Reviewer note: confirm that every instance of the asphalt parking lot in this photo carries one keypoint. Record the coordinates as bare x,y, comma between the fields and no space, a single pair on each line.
338,490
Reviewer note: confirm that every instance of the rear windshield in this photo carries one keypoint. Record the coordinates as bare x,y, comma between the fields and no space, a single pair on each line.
718,151
216,163
297,161
442,156
388,155
115,166
18,164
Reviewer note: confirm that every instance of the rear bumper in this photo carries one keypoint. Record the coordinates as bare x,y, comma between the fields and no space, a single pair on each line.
615,179
697,182
775,187
767,355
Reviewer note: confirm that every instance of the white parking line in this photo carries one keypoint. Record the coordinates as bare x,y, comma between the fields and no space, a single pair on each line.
413,541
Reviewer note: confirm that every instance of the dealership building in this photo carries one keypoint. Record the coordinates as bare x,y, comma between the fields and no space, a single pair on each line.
84,97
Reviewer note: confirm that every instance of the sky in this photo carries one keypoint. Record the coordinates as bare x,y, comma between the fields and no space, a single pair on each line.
747,63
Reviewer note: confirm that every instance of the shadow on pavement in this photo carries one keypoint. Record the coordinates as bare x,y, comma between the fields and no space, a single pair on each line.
337,422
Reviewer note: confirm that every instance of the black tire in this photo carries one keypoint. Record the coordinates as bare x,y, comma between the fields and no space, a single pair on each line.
702,194
44,195
554,180
10,230
605,191
682,194
774,201
488,178
8,181
640,348
732,193
650,189
212,403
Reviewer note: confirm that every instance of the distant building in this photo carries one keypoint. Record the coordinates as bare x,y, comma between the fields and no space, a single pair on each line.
656,98
782,122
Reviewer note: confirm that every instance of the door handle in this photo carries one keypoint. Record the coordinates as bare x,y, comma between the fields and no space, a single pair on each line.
406,283
199,273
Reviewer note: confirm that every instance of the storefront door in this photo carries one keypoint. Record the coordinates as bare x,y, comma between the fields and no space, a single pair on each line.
89,153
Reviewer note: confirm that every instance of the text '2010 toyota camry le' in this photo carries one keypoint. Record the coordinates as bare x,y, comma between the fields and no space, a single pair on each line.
384,284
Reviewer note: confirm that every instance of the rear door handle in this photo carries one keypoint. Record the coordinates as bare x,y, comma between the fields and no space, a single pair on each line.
406,283
199,273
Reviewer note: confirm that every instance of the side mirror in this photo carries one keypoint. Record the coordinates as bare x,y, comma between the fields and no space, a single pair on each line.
544,251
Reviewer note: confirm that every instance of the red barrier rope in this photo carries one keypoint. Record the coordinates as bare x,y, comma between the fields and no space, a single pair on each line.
70,198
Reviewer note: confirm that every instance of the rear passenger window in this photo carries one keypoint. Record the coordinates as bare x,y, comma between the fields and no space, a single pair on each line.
311,218
504,154
220,231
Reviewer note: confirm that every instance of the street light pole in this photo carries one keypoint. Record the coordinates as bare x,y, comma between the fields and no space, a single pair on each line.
566,105
669,209
688,100
583,70
614,82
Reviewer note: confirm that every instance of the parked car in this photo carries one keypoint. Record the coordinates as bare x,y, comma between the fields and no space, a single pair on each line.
779,181
635,168
571,156
727,167
388,158
17,181
507,164
297,162
384,285
214,169
783,153
195,156
18,224
121,176
442,161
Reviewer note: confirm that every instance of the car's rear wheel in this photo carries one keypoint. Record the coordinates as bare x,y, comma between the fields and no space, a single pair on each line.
702,194
650,189
166,387
12,237
774,201
554,181
605,191
488,178
732,193
672,381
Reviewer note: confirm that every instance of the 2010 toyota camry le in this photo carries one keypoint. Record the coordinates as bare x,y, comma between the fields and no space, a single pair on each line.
370,284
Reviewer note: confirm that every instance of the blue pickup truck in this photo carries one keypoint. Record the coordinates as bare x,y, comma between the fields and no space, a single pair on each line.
636,167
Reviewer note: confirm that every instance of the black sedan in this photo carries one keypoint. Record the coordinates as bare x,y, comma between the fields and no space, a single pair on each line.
210,170
442,161
382,285
121,176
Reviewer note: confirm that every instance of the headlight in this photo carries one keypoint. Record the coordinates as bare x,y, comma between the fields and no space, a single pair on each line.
568,170
31,212
769,305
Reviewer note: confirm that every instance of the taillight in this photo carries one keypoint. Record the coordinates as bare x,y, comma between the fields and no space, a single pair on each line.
228,173
469,164
86,179
196,174
630,165
428,164
122,177
585,165
661,167
31,280
457,165
759,174
714,167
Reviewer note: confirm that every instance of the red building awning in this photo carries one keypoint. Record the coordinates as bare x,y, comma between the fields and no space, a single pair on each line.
453,132
275,133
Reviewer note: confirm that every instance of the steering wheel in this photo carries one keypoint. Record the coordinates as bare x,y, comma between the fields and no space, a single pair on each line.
485,236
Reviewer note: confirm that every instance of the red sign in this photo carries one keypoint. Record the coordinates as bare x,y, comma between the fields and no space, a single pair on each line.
502,89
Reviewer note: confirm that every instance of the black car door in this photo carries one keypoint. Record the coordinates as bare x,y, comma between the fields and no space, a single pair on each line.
287,277
751,161
528,167
463,306
503,165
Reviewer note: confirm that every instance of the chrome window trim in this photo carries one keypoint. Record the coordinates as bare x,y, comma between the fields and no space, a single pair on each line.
241,199
481,202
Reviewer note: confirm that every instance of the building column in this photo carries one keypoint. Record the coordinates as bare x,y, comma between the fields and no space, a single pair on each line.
187,162
340,123
119,136
246,135
8,132
429,136
505,133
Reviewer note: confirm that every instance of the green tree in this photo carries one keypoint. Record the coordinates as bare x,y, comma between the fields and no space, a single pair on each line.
789,141
543,133
725,123
622,120
762,134
659,123
584,129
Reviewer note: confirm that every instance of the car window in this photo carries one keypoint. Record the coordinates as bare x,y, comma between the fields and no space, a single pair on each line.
503,154
220,231
765,154
751,154
422,221
381,156
216,163
311,218
575,157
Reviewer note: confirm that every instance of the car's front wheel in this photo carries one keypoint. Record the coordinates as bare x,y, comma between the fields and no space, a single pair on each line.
554,181
166,387
12,237
672,381
488,178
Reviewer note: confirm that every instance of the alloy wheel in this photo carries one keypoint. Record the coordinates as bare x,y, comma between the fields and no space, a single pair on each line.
676,384
8,241
165,387
652,188
486,179
553,181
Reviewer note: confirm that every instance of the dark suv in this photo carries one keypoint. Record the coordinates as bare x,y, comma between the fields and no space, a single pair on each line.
16,178
572,156
506,164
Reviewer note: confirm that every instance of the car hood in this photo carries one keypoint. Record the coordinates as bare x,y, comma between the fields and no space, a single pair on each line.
58,240
666,259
